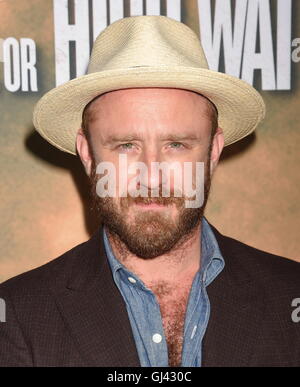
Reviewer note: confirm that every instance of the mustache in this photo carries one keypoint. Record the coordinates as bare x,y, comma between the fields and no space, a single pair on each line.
159,200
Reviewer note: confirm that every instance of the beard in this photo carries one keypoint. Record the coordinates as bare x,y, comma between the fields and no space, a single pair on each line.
147,234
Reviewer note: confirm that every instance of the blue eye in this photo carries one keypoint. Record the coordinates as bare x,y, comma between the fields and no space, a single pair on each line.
126,146
176,145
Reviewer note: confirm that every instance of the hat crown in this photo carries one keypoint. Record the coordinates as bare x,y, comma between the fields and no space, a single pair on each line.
142,41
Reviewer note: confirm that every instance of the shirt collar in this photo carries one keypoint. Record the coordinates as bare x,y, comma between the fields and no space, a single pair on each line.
114,263
212,261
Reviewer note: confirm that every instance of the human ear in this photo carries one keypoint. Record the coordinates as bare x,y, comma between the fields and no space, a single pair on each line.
83,151
216,150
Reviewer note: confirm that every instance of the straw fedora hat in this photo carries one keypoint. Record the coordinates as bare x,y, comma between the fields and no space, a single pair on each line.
147,51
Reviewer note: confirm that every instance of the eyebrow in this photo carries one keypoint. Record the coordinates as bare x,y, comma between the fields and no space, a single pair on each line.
174,137
112,139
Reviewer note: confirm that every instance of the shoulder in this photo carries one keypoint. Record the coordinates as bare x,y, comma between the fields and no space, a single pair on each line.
39,280
257,264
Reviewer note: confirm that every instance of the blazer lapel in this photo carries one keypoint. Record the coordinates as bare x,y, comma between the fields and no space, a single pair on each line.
94,310
237,307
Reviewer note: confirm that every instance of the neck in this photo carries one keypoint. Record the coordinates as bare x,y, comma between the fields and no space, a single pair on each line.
181,263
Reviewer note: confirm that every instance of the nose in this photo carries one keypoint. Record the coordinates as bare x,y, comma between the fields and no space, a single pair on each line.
153,178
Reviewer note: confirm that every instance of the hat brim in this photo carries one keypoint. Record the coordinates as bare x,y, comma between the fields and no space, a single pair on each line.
58,114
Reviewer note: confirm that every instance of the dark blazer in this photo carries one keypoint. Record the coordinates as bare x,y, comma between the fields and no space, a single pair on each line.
70,313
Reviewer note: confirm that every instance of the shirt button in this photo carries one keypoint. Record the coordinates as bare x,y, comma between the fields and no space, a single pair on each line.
194,331
157,338
132,280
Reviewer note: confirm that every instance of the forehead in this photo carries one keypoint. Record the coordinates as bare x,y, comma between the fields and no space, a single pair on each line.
138,109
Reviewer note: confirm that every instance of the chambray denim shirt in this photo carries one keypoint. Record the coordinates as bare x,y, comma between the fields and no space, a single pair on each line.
144,312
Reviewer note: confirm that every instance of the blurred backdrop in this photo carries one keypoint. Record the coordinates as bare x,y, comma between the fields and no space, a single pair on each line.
43,43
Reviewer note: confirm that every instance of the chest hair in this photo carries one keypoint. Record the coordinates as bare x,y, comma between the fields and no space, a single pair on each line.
173,302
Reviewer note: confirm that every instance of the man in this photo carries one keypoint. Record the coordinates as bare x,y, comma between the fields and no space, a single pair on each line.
157,285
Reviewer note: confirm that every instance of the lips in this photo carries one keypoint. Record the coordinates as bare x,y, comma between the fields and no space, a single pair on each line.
151,205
